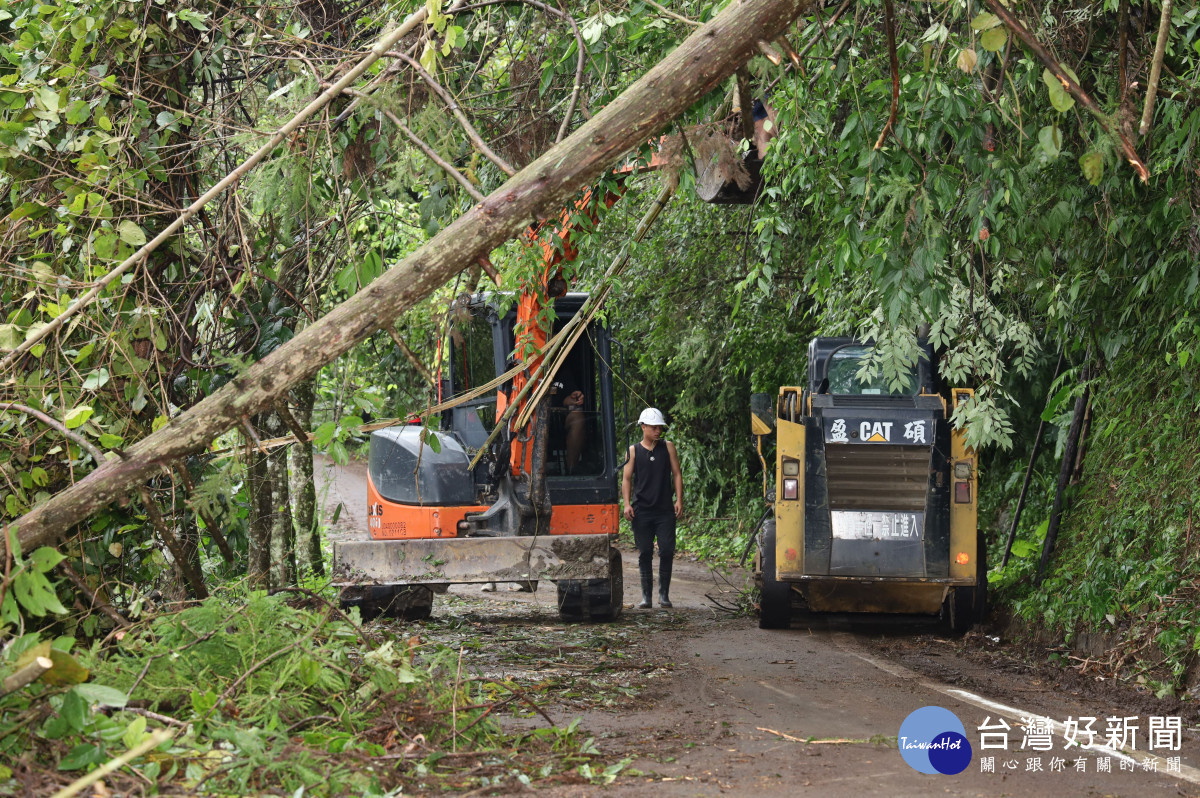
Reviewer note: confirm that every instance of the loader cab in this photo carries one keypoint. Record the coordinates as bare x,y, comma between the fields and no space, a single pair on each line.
835,367
581,444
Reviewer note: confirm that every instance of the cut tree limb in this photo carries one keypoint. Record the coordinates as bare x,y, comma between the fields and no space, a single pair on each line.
700,63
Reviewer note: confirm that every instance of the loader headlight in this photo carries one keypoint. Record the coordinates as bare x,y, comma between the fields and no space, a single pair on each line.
791,468
962,470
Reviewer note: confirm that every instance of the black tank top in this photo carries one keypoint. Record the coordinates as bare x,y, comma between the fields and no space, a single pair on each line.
653,490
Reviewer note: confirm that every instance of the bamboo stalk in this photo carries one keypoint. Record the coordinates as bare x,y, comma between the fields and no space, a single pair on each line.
79,785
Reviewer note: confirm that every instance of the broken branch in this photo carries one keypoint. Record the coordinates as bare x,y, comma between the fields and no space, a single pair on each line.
420,144
893,58
463,122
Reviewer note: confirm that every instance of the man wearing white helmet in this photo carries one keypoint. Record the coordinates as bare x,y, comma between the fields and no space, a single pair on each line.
652,487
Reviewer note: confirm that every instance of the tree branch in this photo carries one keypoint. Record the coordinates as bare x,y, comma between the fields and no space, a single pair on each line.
1070,85
351,75
893,58
412,356
463,122
210,525
54,423
185,565
429,151
1160,48
580,50
92,598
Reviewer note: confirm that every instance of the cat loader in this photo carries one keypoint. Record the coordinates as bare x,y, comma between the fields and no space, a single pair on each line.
875,495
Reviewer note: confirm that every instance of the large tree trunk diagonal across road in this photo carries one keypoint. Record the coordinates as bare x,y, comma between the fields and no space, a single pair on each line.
698,65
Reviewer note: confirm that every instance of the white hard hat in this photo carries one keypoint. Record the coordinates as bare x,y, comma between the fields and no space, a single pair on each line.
653,417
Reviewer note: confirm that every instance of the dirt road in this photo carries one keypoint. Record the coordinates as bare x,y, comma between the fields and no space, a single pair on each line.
698,701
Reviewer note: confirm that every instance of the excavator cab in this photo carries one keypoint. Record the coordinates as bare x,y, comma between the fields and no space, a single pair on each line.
581,462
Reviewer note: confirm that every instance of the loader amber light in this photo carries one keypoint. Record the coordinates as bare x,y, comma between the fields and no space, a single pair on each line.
962,492
791,488
962,558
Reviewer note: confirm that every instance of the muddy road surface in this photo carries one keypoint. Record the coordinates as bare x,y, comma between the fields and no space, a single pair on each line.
698,701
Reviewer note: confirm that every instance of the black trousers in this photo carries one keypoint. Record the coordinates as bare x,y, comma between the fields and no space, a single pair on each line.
648,527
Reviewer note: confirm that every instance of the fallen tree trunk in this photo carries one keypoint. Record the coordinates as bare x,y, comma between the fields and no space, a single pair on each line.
698,65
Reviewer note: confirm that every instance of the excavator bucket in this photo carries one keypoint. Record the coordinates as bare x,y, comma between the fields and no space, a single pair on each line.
723,177
435,561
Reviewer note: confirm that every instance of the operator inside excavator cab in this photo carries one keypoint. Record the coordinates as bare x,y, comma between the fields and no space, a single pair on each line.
575,415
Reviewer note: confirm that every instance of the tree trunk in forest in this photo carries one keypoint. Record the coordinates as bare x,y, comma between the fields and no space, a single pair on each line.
189,542
283,532
697,66
258,533
1037,445
303,487
272,536
1064,474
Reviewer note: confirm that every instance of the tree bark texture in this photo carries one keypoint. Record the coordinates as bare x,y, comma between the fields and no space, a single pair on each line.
698,65
258,526
303,486
283,533
1064,476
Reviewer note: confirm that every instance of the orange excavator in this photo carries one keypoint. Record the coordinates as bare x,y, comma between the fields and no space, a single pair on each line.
541,502
537,499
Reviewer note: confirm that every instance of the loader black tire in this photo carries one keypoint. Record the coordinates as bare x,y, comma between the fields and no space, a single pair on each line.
593,599
775,597
967,606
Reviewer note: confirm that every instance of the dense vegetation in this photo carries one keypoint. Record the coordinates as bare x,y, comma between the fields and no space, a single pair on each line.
929,169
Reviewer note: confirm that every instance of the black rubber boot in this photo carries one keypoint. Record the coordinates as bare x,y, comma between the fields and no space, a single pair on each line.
664,583
647,592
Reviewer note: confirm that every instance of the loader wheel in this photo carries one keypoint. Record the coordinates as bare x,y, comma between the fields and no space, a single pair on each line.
403,602
775,597
593,599
967,606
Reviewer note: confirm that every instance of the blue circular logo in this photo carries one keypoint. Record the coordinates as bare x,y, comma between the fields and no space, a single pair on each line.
933,740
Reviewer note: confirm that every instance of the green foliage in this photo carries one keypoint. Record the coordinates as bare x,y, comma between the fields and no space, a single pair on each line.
276,697
26,590
261,694
1124,565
